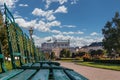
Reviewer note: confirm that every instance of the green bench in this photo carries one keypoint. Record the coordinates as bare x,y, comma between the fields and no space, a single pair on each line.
42,74
49,62
74,75
7,75
59,74
46,72
27,65
25,75
36,65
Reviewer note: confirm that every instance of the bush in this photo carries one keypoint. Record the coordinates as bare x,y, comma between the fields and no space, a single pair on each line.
108,61
86,59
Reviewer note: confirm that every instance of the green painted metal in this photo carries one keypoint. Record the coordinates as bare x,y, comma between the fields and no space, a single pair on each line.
60,75
74,75
28,50
2,60
42,74
7,75
21,48
24,75
8,35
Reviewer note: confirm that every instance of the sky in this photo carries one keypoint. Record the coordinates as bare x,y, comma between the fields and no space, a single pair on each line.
80,21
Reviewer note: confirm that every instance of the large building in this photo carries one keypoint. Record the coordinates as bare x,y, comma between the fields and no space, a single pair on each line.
55,46
92,46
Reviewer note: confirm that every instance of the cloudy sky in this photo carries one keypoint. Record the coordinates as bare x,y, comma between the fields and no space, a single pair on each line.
80,21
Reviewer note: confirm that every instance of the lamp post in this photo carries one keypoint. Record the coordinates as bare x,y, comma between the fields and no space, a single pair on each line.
31,33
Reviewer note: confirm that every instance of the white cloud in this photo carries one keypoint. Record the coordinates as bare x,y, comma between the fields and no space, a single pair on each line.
61,9
9,3
71,32
38,40
94,34
74,41
38,25
56,31
74,1
23,5
48,2
46,14
26,24
69,26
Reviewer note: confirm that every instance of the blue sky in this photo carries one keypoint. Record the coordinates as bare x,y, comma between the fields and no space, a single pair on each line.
80,21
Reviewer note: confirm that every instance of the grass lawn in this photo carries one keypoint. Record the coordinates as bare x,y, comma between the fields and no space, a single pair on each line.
100,65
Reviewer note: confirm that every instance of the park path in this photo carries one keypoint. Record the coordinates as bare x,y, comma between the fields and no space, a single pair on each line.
93,73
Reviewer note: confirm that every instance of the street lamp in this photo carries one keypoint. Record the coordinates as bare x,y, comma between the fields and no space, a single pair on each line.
31,33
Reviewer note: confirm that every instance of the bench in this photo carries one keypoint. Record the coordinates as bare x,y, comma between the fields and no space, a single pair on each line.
27,65
42,74
59,74
49,62
25,75
36,65
74,75
9,74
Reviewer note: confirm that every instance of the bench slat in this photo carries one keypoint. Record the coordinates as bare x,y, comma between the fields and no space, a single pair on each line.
60,75
27,65
24,75
42,74
45,65
36,65
9,74
74,75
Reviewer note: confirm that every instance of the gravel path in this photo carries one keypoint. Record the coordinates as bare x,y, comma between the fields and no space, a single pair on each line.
93,73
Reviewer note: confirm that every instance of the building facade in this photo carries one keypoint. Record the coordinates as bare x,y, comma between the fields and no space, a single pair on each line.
93,46
55,46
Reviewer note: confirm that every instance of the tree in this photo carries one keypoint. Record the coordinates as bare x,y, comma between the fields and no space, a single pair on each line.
73,55
100,52
68,53
92,53
65,53
111,32
52,56
81,54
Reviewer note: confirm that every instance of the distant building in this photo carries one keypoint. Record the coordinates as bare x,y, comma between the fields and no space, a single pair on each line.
92,46
56,46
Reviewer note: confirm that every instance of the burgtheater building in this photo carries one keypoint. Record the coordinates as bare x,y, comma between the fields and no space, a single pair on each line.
55,46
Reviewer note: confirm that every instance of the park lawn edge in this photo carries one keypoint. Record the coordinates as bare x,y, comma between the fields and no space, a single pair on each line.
96,66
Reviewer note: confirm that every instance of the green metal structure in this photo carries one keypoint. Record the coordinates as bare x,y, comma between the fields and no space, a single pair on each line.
19,43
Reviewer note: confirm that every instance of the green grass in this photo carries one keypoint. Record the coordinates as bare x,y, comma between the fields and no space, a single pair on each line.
67,59
101,65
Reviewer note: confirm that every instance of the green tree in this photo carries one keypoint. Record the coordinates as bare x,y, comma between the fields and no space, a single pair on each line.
100,52
111,32
68,54
62,53
52,56
92,53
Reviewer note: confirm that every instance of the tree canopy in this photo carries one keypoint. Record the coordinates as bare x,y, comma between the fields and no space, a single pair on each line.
111,32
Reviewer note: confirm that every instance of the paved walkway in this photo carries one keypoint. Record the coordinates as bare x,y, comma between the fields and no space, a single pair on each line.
93,73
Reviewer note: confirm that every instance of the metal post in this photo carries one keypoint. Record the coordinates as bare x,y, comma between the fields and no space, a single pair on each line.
26,44
18,46
2,60
34,51
10,45
8,35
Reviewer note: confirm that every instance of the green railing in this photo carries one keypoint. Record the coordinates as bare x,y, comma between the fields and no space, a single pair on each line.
19,43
